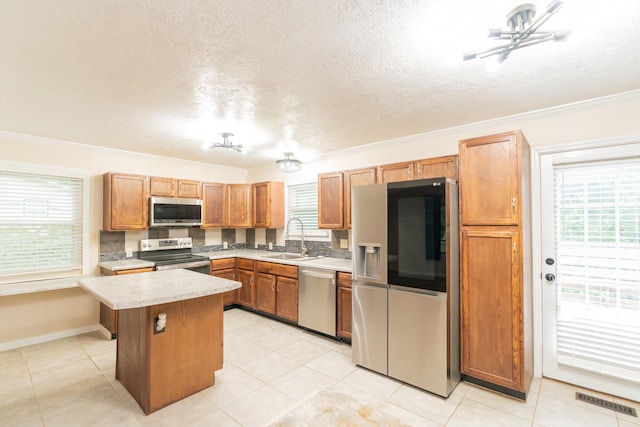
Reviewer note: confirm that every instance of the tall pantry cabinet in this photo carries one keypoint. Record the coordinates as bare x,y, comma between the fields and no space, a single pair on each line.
495,262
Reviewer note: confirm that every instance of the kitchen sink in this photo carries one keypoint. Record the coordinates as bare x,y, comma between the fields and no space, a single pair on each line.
286,256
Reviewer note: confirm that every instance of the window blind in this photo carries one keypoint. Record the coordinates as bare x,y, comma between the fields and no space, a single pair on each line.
40,225
302,202
598,271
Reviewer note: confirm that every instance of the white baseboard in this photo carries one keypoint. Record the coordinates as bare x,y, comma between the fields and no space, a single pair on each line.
48,337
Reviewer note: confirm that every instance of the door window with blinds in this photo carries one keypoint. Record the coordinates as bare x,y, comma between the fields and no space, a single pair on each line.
302,203
597,211
42,223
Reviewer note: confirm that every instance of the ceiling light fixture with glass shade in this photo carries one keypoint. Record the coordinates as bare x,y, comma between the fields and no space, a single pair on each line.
226,143
522,32
288,164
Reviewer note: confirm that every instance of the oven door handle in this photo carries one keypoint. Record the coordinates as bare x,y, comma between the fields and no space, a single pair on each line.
182,265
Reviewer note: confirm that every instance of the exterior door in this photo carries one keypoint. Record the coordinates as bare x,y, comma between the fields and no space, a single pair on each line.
590,244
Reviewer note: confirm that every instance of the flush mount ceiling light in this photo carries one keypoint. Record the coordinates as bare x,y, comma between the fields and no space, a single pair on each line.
522,33
288,164
226,143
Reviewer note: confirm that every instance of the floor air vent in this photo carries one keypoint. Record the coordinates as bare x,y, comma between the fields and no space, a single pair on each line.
606,404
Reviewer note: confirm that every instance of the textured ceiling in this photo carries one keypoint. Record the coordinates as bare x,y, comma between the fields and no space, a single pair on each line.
165,77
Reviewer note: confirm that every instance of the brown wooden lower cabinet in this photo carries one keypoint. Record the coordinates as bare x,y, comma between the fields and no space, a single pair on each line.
276,287
344,309
225,268
266,293
245,296
159,369
109,317
287,298
492,308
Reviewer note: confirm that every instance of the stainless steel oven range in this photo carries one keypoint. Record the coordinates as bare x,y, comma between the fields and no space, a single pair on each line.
172,253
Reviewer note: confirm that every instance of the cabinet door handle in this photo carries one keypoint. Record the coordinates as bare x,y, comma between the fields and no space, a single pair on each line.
251,281
273,286
233,276
513,205
278,287
515,252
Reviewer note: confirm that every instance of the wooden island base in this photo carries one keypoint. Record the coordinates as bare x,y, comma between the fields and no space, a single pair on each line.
159,369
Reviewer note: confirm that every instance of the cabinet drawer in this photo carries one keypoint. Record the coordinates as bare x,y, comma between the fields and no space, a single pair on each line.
245,264
220,264
277,269
344,279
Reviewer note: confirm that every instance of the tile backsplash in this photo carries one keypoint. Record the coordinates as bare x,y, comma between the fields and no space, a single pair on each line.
113,243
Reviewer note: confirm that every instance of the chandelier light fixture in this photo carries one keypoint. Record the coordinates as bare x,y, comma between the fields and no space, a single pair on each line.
288,164
522,32
226,143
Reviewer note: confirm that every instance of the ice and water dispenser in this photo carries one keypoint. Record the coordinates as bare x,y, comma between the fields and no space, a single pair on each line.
368,260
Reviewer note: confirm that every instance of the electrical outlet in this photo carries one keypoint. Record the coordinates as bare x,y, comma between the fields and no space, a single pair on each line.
225,245
270,246
256,245
344,243
128,252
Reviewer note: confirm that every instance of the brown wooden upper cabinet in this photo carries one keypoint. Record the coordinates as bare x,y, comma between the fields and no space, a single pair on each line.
189,189
162,187
396,172
125,201
354,178
239,205
268,204
214,205
171,187
435,167
490,168
331,200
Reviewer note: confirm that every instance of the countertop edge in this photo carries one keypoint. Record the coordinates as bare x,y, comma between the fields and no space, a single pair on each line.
92,286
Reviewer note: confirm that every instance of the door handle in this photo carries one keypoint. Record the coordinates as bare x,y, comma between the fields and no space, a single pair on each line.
550,277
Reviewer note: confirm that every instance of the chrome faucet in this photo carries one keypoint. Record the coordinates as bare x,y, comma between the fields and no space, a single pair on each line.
303,248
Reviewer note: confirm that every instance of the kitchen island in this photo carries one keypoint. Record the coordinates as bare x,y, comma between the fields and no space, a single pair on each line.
160,363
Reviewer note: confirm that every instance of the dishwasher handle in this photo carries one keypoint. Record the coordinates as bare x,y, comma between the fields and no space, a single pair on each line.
316,274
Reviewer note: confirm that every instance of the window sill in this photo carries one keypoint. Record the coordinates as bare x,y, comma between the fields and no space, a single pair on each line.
21,288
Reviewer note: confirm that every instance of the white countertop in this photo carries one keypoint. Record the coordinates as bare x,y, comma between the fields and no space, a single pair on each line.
158,287
327,263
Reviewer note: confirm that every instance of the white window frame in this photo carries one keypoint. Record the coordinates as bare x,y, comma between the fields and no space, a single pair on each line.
318,235
27,168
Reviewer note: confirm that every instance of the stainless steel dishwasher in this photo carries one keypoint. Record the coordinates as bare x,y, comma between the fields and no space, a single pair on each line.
317,300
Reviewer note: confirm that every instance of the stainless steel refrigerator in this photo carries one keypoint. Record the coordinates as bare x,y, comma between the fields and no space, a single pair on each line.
406,282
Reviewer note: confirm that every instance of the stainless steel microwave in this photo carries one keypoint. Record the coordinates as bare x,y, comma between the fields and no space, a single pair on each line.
174,212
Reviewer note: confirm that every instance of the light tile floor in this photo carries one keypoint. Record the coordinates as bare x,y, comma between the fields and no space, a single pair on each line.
274,375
